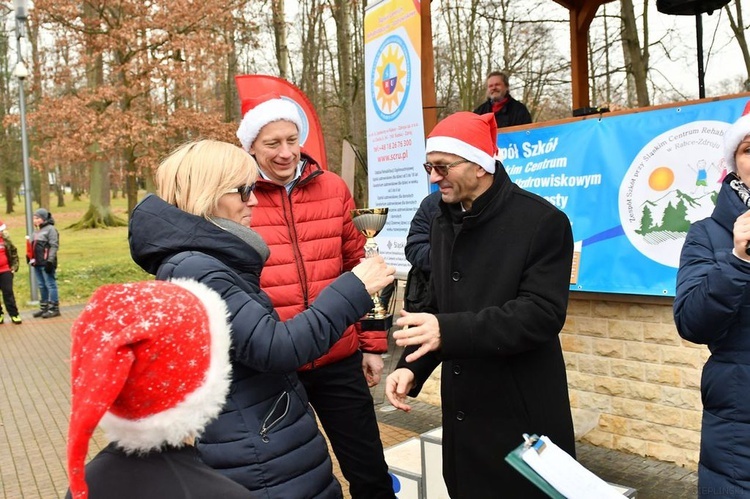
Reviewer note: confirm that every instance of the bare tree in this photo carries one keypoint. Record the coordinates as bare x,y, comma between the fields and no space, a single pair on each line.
636,55
279,31
739,29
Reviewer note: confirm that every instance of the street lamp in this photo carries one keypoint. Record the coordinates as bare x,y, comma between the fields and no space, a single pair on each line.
21,72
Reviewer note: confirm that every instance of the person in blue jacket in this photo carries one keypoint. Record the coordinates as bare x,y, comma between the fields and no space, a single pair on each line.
417,252
712,307
198,227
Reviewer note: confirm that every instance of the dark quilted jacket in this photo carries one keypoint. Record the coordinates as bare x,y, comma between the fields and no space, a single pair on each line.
266,438
712,307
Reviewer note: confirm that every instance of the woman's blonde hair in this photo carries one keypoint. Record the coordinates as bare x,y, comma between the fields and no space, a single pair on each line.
198,173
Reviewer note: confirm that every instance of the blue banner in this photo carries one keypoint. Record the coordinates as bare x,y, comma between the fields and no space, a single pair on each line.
631,184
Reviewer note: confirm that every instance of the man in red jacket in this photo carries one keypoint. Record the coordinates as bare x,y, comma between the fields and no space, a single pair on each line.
303,214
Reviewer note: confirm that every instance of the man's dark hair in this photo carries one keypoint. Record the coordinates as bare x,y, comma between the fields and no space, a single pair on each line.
500,74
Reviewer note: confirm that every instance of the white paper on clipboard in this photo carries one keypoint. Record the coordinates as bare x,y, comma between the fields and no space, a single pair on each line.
566,474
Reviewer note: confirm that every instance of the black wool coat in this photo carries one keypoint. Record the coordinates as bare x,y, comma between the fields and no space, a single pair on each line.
513,113
500,283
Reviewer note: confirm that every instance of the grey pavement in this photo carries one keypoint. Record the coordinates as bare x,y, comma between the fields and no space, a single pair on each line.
35,402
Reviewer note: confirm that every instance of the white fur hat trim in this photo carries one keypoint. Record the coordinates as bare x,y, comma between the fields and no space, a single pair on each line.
266,112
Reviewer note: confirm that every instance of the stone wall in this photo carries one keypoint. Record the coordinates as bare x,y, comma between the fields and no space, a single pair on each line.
628,366
634,383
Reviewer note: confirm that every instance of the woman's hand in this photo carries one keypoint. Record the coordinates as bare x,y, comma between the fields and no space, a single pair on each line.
374,273
741,233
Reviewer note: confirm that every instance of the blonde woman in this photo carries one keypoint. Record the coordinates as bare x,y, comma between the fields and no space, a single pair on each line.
197,227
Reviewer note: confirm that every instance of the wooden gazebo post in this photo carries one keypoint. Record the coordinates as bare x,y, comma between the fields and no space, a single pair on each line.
429,99
582,12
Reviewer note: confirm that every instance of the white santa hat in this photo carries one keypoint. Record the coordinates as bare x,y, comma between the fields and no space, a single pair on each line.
260,111
150,362
3,226
471,136
734,135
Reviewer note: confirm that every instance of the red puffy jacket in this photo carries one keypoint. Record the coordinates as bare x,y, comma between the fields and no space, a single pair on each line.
313,241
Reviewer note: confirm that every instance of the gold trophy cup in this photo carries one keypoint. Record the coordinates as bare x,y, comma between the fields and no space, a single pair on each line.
370,221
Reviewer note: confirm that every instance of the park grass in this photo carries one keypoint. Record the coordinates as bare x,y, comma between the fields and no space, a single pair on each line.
87,259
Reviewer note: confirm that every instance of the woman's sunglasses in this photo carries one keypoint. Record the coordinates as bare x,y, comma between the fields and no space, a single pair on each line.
244,191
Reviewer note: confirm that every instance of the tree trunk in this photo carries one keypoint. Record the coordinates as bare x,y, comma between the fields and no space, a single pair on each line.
8,199
232,107
311,47
279,32
131,178
342,17
463,49
99,213
36,96
636,61
739,29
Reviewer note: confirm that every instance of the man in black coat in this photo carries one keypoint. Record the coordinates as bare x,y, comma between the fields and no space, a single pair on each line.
507,110
501,260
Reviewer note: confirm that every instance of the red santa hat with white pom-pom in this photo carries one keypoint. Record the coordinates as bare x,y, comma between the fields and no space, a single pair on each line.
150,364
733,137
471,136
260,111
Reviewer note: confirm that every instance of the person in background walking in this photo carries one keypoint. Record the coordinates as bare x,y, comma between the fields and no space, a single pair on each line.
8,266
42,255
417,252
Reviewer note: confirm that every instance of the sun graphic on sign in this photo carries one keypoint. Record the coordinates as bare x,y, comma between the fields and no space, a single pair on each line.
390,81
661,178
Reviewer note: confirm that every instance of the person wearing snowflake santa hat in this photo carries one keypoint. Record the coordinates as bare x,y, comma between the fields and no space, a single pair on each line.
150,365
303,213
198,226
711,308
501,260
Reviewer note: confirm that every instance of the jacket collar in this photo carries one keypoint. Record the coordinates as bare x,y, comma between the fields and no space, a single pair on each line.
501,185
308,170
157,230
728,205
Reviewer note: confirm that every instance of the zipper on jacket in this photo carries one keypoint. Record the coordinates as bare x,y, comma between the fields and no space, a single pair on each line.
274,416
300,264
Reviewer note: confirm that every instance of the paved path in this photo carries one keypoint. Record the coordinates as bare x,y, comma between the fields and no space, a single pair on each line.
35,402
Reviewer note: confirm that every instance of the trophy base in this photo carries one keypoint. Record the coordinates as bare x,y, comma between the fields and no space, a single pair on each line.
377,323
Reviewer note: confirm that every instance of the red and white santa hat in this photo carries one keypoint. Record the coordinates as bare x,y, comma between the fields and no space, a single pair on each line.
2,226
471,136
734,135
260,111
150,363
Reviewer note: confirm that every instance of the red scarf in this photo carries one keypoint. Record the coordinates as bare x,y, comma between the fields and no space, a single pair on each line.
498,105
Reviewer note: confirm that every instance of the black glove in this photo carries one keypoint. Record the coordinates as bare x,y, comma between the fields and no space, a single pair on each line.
49,267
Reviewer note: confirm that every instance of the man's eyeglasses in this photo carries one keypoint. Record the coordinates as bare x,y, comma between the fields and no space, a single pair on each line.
244,191
442,170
